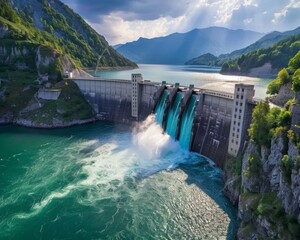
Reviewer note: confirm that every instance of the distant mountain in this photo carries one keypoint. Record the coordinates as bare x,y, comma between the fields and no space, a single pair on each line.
178,48
27,25
117,46
205,59
266,41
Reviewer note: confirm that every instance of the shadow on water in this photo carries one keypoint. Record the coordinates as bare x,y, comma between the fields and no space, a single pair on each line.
77,131
200,69
210,177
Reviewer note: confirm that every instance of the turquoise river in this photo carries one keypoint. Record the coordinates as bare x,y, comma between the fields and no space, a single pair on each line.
106,181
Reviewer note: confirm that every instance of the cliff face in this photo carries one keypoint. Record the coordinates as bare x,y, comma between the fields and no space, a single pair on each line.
33,57
269,200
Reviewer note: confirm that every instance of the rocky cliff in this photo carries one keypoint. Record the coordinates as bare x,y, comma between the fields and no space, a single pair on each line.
267,190
265,181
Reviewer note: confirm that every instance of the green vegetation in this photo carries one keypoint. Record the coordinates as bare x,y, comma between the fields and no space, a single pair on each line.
18,90
71,102
254,166
295,138
70,106
287,75
294,63
296,80
273,124
60,29
205,59
260,126
233,165
283,77
278,55
30,46
268,122
286,165
269,207
230,67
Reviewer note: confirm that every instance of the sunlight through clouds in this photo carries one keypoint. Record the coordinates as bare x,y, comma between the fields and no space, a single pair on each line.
124,21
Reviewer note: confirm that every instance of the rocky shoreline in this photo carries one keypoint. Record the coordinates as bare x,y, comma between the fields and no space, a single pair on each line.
8,119
265,71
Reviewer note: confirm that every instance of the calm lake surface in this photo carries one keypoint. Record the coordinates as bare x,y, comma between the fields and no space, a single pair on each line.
201,76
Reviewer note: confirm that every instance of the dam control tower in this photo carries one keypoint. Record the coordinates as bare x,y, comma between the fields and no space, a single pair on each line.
136,78
243,93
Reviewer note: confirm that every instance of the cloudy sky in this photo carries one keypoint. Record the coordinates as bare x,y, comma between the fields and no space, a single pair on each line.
121,21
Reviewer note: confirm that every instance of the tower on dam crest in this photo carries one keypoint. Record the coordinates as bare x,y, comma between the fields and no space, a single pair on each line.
136,79
243,93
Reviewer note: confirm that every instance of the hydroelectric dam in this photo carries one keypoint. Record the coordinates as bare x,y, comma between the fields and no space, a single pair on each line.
208,122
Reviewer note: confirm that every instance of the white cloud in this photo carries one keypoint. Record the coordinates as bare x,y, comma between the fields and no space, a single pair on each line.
120,22
287,13
117,30
248,21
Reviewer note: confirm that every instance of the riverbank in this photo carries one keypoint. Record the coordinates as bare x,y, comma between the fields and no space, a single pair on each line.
9,119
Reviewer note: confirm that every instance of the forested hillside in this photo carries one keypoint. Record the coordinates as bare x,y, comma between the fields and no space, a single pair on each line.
278,55
53,24
266,41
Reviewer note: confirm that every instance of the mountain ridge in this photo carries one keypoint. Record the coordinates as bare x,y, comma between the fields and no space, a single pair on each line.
177,48
266,41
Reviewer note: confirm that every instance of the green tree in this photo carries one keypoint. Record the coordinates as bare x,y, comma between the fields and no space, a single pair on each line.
7,12
225,67
260,127
296,81
283,77
294,63
284,118
286,165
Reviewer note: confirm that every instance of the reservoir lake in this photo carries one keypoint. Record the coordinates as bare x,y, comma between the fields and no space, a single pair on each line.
201,76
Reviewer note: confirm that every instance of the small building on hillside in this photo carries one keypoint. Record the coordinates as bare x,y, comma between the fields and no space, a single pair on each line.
49,94
68,74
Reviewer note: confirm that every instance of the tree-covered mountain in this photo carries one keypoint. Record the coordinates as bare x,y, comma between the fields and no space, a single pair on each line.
266,41
39,41
205,59
26,25
278,56
178,48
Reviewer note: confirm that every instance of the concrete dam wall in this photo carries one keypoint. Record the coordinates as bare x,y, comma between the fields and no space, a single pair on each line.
112,99
211,123
211,127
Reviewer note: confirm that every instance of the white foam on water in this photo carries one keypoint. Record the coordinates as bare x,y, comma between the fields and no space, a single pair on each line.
156,149
143,152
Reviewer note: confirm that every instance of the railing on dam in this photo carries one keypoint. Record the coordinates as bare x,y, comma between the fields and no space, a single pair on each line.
196,90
